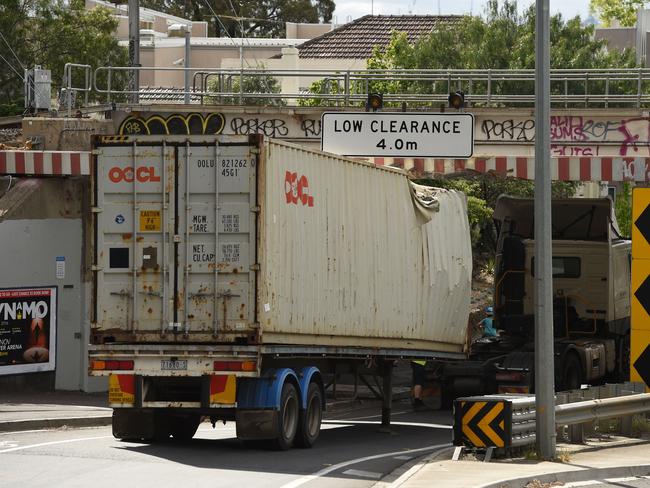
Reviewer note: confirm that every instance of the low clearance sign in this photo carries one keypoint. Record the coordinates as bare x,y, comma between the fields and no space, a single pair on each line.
401,135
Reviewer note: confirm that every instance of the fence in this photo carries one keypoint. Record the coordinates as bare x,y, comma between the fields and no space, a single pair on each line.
600,88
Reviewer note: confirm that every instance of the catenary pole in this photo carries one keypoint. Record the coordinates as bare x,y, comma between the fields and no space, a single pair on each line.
544,371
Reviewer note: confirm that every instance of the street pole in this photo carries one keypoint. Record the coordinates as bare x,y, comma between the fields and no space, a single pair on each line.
544,358
188,49
134,48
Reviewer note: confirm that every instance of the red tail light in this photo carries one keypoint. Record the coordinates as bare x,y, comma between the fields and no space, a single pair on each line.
234,366
117,365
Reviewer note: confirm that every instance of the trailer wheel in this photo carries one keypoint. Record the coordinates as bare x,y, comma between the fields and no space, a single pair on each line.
310,418
183,427
571,372
288,417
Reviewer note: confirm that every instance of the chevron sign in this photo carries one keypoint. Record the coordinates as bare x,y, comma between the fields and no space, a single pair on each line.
482,423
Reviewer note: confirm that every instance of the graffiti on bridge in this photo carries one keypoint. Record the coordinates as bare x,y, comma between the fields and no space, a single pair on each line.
627,134
174,124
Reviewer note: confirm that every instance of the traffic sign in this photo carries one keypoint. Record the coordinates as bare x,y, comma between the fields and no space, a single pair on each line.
640,356
480,423
640,307
641,220
398,134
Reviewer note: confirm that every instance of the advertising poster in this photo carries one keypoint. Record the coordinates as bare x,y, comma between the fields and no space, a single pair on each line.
27,329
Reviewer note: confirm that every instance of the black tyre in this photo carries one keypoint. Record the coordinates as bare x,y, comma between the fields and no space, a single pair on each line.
310,418
183,427
571,372
288,417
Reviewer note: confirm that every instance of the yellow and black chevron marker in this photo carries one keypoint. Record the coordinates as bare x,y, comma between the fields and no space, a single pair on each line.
482,423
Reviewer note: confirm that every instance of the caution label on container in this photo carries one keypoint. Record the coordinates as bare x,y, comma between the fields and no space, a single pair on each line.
150,221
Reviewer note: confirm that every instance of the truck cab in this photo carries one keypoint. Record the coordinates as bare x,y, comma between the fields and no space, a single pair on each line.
591,296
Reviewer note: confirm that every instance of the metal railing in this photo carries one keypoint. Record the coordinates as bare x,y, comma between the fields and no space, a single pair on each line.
69,87
578,409
349,88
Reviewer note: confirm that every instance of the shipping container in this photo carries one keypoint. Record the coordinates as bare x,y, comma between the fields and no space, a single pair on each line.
232,270
308,248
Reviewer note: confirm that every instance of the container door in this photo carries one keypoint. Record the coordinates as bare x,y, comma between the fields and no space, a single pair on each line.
134,233
216,187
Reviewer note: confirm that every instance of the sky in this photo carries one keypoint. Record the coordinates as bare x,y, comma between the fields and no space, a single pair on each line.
351,9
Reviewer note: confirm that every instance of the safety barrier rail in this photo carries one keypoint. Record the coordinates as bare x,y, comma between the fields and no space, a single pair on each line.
508,421
601,88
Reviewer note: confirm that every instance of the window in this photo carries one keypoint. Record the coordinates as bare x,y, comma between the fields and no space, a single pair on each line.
563,267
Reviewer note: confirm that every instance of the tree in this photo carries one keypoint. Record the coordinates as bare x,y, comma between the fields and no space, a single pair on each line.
502,39
265,18
52,33
624,11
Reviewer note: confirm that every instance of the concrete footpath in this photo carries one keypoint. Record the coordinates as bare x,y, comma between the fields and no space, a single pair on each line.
608,458
614,458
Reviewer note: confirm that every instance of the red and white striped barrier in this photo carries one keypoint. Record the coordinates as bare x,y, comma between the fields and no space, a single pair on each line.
45,163
563,169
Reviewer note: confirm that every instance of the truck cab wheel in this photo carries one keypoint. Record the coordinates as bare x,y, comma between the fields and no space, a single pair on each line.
310,418
572,376
288,417
183,427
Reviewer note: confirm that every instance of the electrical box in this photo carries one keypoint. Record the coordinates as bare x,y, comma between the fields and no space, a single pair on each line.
38,89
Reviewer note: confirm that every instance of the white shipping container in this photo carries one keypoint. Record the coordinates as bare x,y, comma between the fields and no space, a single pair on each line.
235,240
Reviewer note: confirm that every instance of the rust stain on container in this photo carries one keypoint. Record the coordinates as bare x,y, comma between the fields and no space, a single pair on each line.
127,236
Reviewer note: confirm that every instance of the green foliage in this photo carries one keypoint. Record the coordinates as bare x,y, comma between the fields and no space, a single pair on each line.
502,39
52,33
623,209
245,18
248,84
624,11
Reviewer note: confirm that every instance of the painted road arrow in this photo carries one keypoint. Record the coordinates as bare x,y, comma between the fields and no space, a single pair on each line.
642,365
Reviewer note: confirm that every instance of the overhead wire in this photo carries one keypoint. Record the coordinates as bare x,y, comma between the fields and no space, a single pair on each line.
217,17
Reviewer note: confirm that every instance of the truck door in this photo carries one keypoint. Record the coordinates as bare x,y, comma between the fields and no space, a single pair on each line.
175,239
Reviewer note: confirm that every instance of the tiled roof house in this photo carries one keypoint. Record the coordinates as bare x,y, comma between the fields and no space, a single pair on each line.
356,39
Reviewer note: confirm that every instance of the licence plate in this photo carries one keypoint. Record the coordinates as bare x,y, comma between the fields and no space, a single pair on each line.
176,365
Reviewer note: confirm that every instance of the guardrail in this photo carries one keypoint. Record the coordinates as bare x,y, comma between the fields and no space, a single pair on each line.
477,419
68,87
349,88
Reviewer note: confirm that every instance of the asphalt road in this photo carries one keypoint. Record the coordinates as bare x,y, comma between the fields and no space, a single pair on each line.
351,452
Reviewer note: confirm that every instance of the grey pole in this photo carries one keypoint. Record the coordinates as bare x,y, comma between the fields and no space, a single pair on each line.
188,37
544,371
134,48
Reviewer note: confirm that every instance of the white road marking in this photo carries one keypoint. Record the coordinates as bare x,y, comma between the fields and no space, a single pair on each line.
582,483
376,416
412,424
335,467
362,474
403,458
625,479
24,431
31,446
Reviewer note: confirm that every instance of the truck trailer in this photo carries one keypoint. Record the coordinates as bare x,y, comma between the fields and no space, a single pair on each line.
234,274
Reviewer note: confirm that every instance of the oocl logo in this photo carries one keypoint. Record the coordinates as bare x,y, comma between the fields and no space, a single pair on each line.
296,189
144,174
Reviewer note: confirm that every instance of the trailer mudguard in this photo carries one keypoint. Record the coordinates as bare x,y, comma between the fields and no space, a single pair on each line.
306,376
264,393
